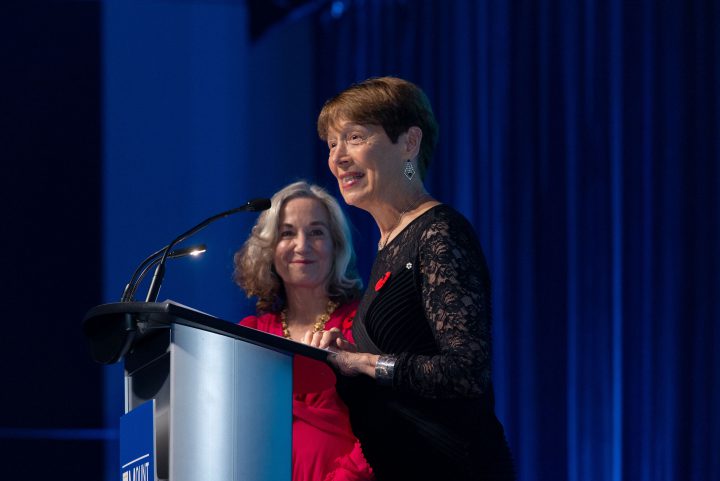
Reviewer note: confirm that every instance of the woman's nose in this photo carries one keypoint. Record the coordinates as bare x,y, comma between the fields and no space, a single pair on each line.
301,243
339,154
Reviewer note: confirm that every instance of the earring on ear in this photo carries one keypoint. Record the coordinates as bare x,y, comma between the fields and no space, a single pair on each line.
409,170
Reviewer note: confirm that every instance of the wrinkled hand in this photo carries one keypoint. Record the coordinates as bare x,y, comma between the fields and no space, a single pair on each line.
343,354
348,363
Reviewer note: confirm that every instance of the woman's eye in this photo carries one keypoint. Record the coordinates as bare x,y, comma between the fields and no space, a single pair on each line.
355,139
286,233
317,232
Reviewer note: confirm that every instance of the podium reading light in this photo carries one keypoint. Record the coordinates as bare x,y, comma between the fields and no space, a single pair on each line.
151,262
255,205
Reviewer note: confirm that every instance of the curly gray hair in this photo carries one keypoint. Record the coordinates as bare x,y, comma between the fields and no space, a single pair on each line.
254,270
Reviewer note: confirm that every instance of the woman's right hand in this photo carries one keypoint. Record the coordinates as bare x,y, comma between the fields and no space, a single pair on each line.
332,340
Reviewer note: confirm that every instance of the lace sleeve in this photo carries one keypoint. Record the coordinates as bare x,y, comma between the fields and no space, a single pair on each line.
456,299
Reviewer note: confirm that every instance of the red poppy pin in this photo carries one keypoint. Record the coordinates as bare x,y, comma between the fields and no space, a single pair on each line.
381,282
347,322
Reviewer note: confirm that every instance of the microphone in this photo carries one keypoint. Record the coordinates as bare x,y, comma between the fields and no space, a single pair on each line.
150,262
255,205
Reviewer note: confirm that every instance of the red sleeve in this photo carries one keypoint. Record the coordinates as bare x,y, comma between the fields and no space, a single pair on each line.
348,316
250,321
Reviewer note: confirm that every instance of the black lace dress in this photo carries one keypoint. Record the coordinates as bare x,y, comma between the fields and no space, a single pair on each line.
432,311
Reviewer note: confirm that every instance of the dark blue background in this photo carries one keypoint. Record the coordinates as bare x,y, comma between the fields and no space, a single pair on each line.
580,138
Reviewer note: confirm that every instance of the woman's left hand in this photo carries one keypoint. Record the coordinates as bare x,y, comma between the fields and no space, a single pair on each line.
349,363
343,354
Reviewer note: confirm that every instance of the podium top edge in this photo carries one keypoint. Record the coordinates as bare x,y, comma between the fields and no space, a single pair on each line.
119,317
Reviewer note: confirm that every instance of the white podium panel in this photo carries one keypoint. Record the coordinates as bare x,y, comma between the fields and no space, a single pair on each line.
222,393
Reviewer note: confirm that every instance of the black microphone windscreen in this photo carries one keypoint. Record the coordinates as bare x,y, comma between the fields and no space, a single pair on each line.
257,205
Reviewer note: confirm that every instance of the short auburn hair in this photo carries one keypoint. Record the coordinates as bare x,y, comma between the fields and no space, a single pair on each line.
390,102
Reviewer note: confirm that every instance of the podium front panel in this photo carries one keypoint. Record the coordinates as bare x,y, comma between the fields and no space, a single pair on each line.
223,406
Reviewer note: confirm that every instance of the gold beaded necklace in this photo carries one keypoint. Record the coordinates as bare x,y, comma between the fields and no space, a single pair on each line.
320,322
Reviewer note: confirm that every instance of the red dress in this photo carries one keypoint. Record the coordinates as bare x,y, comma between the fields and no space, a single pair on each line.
324,447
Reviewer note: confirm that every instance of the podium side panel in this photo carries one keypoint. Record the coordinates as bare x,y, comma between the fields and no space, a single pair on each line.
231,409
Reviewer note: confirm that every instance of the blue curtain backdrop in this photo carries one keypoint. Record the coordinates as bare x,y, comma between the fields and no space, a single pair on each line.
581,139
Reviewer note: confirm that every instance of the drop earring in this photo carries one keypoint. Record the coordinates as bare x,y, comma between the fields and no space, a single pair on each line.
409,170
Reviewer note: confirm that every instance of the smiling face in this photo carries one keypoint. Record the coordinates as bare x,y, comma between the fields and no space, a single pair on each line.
304,252
366,164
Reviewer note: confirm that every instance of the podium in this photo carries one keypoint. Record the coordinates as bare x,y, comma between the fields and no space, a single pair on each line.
222,393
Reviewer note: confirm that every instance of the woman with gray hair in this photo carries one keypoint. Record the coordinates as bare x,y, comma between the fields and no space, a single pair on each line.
299,263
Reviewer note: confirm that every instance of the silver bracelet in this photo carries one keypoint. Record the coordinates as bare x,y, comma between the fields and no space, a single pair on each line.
385,369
